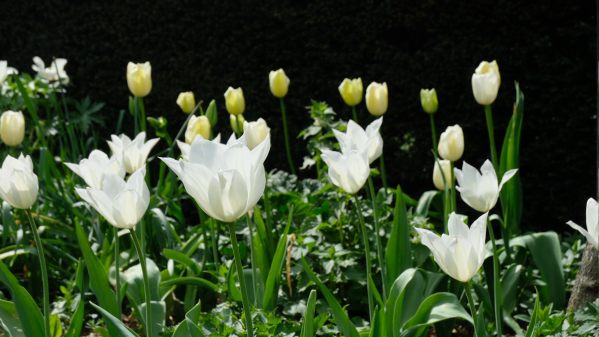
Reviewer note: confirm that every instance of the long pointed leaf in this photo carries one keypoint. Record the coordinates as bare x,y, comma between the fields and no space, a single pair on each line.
398,255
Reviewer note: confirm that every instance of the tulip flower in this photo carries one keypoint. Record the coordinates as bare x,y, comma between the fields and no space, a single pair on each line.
93,169
226,180
198,126
279,83
185,148
134,152
485,82
139,78
429,101
122,203
451,143
461,253
592,231
3,71
255,133
377,98
442,174
357,139
234,101
12,127
18,183
351,91
186,101
54,72
347,170
480,189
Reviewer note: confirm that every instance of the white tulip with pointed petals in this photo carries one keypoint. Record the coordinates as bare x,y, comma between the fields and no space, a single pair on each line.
93,169
134,152
122,203
480,190
226,180
18,183
461,253
356,139
52,73
347,170
592,231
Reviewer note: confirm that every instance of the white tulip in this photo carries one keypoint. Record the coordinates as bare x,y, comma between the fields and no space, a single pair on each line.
134,152
377,98
18,182
461,253
226,180
122,203
185,148
139,78
93,169
442,174
451,143
592,231
480,190
347,170
485,82
255,132
357,139
279,83
12,127
52,73
3,71
197,126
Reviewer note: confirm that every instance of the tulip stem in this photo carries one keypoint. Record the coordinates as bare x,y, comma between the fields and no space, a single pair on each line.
496,282
491,132
142,113
379,244
144,271
286,135
354,113
214,237
253,256
452,191
472,305
244,295
434,134
367,256
383,171
117,271
44,270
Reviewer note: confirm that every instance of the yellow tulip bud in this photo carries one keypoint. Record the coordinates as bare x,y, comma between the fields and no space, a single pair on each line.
197,126
351,91
186,101
12,127
279,83
234,101
139,78
451,143
442,174
428,100
485,82
237,123
377,99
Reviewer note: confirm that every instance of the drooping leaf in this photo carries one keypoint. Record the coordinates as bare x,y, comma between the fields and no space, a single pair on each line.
121,330
435,308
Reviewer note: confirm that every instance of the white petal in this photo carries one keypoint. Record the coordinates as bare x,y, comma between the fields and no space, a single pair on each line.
507,176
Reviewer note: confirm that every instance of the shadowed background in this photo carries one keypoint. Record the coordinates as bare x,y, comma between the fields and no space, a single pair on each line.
548,46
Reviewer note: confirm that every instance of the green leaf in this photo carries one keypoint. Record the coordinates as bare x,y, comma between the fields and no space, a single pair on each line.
534,324
398,255
9,320
78,317
189,326
211,113
308,325
120,329
509,286
182,259
55,326
191,280
271,288
436,308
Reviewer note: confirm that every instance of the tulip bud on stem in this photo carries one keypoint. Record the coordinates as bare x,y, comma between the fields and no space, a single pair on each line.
244,295
497,293
286,135
379,244
366,255
144,271
42,259
473,312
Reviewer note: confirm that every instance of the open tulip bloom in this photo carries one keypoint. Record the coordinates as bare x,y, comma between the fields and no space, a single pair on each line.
347,170
592,231
480,190
461,253
93,169
357,139
18,183
134,152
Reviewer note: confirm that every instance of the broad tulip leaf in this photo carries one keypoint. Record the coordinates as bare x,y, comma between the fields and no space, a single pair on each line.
398,255
435,308
189,326
509,286
121,330
308,325
271,288
9,320
182,259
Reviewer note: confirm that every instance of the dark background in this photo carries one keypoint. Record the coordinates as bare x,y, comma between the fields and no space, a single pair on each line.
548,46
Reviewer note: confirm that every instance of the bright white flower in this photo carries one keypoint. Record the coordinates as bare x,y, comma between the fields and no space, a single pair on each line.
461,253
139,78
18,182
122,203
347,170
442,174
52,73
592,231
12,127
185,148
485,82
93,169
480,189
255,133
134,152
356,139
377,98
451,143
226,180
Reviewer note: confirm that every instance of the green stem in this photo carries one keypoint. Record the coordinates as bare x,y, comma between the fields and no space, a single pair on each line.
44,270
496,282
367,256
144,271
253,257
452,190
117,271
491,132
354,113
142,113
379,244
433,133
244,295
214,241
286,135
473,311
383,171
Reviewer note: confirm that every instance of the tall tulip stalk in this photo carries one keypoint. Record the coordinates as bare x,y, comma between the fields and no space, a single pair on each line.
139,81
451,148
430,105
279,86
351,92
485,86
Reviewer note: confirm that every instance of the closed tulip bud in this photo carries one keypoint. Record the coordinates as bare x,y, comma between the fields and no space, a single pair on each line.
279,83
234,101
442,174
592,231
237,123
255,132
186,101
197,126
139,78
428,100
377,98
12,127
451,143
351,91
18,182
485,82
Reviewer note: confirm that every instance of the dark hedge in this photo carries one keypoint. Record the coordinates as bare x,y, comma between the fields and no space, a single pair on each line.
548,46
